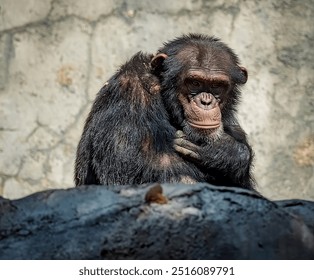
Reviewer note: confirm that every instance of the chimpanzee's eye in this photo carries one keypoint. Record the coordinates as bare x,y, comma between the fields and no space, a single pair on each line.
217,88
194,86
195,83
215,85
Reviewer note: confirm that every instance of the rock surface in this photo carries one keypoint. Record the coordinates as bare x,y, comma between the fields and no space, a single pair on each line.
198,222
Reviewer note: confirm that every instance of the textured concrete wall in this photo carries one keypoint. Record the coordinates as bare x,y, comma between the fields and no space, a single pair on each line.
55,55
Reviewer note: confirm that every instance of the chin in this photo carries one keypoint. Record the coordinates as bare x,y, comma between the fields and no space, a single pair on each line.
202,134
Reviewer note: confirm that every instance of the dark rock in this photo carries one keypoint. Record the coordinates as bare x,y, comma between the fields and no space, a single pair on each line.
198,222
301,208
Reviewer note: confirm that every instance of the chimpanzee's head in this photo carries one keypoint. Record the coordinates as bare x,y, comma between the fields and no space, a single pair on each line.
199,81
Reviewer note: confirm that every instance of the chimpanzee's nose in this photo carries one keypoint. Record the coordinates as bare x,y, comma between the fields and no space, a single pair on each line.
206,98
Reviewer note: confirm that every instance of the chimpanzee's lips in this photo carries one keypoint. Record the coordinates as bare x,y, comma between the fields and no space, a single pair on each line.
205,117
205,126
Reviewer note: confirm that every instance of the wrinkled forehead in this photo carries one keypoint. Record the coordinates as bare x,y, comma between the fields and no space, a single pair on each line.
206,57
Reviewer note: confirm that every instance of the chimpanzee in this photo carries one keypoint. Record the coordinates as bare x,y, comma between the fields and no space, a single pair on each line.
169,118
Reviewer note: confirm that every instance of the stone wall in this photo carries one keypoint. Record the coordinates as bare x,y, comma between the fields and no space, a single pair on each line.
56,54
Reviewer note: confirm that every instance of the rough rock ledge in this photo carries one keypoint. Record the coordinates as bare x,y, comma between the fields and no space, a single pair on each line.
198,221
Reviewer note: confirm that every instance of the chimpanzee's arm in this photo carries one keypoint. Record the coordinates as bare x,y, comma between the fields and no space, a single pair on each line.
227,160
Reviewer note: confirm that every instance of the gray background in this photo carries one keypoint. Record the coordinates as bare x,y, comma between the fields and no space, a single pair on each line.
55,55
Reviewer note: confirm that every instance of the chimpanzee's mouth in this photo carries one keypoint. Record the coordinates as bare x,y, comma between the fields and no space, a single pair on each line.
203,116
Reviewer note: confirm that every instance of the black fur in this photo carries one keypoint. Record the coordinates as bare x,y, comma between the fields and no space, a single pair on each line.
128,136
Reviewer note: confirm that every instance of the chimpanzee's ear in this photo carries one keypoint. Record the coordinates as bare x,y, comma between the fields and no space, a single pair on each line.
157,61
243,75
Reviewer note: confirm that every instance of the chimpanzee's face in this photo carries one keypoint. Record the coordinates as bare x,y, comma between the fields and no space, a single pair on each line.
205,85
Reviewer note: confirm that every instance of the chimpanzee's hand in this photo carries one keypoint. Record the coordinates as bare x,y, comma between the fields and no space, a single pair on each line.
186,148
